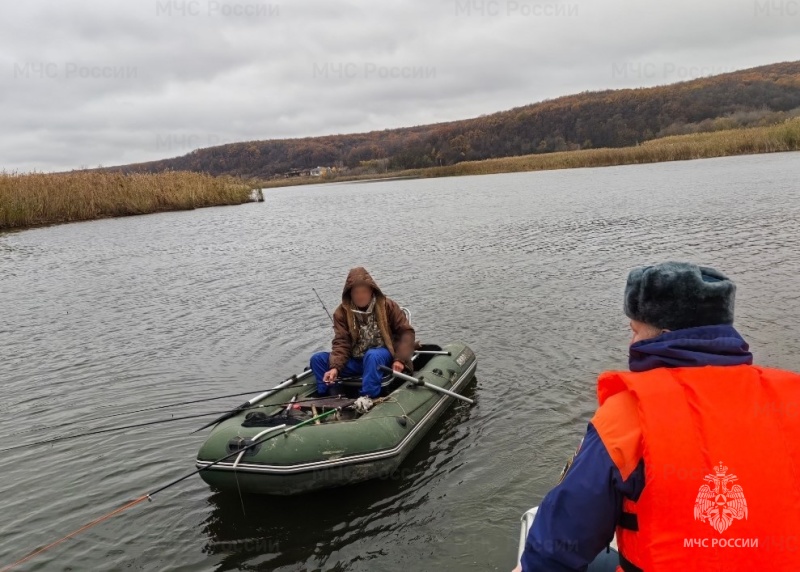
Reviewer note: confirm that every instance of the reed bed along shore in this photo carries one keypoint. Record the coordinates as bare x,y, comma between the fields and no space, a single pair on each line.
34,199
771,139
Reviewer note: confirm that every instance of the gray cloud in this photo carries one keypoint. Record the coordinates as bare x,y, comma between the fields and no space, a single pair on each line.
93,82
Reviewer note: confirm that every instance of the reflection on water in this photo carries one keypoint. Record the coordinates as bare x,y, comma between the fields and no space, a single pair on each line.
528,269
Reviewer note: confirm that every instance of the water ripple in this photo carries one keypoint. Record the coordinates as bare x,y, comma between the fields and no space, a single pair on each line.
114,315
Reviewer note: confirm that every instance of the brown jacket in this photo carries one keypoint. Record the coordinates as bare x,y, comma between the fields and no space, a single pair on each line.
396,331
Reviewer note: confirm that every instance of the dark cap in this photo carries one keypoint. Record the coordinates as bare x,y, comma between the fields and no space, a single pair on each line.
678,295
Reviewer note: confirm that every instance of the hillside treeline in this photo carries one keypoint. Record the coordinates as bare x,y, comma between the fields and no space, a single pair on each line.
614,118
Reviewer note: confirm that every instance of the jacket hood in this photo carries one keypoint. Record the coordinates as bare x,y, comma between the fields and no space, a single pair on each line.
691,347
358,276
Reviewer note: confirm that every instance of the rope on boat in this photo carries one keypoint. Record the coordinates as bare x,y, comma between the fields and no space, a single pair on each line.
400,405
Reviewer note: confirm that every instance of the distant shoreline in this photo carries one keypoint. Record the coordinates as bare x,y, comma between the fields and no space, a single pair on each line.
777,138
40,199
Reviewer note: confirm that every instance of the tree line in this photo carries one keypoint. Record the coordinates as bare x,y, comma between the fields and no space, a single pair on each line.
612,118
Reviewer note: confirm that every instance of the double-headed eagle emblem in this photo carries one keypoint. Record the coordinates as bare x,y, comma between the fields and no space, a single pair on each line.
717,504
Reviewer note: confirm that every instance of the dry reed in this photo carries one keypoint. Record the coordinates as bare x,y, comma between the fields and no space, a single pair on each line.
33,199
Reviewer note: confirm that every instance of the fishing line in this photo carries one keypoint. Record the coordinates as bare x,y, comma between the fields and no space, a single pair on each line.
149,496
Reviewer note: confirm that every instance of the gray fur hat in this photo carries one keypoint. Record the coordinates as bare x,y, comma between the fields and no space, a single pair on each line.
678,295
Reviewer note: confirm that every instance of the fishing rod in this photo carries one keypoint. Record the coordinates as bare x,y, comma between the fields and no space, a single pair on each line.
249,404
285,432
253,400
109,430
154,408
323,305
151,494
167,406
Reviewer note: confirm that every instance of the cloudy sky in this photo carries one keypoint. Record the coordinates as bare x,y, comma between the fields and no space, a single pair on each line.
106,82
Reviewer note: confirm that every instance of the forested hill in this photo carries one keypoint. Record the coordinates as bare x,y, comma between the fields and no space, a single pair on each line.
613,118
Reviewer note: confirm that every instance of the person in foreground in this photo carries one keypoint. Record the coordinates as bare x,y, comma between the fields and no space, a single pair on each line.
370,330
692,458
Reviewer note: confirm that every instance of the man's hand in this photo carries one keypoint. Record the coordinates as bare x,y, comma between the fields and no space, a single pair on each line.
398,366
518,568
330,375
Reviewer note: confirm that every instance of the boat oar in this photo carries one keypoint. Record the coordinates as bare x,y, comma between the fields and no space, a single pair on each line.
149,495
424,383
253,400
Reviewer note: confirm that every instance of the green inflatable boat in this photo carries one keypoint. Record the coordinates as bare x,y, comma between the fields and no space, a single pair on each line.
290,440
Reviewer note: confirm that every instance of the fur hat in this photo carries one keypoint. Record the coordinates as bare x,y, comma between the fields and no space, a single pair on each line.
678,295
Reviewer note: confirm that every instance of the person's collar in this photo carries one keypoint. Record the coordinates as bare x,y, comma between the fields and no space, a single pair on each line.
369,309
691,347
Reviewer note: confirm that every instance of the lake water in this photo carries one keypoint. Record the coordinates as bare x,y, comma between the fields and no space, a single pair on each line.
527,268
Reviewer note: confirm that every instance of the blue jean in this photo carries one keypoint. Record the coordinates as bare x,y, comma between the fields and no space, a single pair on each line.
367,367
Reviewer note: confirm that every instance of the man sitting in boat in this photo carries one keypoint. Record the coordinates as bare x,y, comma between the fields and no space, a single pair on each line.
692,456
370,330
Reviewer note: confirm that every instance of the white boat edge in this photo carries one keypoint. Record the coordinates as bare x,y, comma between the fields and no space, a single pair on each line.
527,522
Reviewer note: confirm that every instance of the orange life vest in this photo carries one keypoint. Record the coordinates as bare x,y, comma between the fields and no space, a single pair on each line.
721,451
